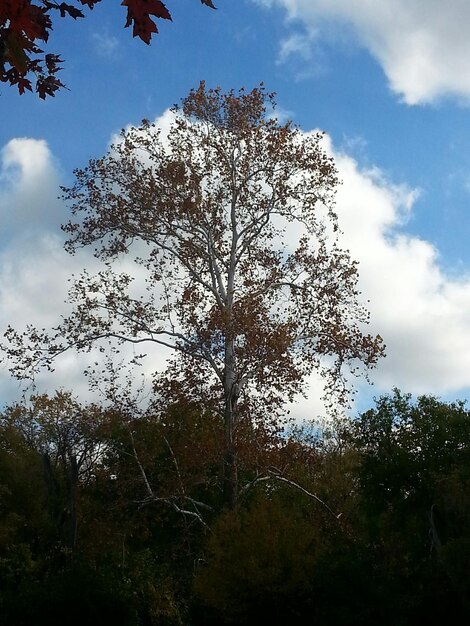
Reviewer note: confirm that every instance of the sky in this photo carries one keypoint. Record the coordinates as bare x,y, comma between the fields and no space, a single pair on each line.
389,84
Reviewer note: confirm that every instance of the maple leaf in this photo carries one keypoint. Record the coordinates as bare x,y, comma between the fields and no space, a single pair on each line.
48,86
24,83
139,11
30,20
52,60
15,52
71,10
90,3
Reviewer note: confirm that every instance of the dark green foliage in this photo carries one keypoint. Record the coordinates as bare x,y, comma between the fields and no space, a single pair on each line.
414,475
265,554
383,538
279,563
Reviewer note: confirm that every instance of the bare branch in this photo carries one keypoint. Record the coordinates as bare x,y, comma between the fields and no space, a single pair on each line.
276,476
140,466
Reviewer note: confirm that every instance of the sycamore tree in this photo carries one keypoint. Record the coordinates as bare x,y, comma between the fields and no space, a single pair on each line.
231,218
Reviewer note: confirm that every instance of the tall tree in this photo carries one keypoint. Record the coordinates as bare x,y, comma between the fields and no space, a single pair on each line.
231,218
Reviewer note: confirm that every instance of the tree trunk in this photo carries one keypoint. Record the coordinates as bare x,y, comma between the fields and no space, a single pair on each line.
230,469
73,522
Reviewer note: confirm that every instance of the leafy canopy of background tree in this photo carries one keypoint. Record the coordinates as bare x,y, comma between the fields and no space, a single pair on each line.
230,219
398,554
26,24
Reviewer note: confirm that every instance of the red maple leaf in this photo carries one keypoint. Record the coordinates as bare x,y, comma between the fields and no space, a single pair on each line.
52,61
139,12
70,10
47,86
90,3
24,83
15,46
31,20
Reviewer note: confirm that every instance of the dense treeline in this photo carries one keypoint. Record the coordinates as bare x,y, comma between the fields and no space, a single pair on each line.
109,515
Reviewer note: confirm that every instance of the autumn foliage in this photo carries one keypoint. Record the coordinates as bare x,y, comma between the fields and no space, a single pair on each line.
25,26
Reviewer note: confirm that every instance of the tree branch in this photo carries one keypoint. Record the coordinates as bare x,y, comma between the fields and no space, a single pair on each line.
274,475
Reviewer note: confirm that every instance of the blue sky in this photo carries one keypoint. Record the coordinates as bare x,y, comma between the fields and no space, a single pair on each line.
388,82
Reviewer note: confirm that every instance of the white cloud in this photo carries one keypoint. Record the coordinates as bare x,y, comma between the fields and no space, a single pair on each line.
34,280
29,187
34,268
106,45
422,45
422,314
295,44
302,54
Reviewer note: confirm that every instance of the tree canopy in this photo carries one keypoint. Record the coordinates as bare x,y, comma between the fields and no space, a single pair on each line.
77,546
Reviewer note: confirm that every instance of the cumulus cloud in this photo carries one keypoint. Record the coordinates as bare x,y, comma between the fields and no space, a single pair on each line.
34,271
422,314
34,268
32,260
29,186
422,45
